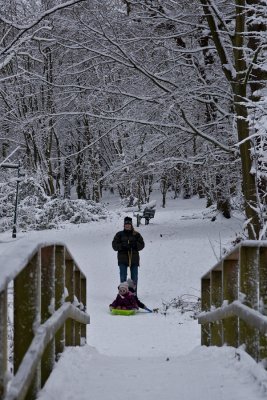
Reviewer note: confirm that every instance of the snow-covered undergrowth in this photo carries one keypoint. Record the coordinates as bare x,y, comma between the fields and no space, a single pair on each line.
37,211
186,303
56,212
212,213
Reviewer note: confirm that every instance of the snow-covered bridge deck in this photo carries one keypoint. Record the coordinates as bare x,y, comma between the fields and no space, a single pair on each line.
205,373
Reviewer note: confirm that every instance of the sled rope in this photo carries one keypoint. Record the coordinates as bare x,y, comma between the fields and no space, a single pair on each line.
130,255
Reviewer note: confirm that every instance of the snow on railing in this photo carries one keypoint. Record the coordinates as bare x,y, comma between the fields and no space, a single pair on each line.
251,317
49,312
20,384
234,300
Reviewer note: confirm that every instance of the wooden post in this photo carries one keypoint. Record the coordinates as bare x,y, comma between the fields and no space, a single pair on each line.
69,282
3,342
216,301
205,306
263,297
59,295
84,302
27,285
77,293
47,306
230,293
249,258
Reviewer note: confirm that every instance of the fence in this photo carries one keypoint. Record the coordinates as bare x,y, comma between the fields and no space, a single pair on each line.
49,304
234,300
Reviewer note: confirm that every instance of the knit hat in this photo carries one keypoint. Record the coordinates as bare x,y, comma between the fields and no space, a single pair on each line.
128,220
130,283
123,287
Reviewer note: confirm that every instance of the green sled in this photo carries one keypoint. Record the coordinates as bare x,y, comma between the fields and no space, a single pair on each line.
114,311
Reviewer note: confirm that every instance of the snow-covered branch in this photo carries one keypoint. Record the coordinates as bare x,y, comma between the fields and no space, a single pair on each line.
205,136
26,28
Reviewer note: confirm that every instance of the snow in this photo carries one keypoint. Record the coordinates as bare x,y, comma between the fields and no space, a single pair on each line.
15,254
209,373
150,356
43,335
252,317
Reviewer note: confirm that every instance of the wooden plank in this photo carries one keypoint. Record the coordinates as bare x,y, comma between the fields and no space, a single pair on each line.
253,318
47,306
263,298
3,342
69,283
216,301
84,302
205,306
230,293
77,293
27,305
22,380
249,259
59,296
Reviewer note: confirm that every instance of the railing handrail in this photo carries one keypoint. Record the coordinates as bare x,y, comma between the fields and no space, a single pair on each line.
234,252
49,312
252,317
239,279
14,259
23,378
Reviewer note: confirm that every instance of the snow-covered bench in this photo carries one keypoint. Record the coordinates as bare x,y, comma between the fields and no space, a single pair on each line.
148,212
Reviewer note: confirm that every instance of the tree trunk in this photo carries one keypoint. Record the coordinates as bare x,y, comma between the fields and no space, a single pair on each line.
239,87
249,184
67,174
164,185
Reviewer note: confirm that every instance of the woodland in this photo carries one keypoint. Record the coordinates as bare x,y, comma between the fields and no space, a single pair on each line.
124,96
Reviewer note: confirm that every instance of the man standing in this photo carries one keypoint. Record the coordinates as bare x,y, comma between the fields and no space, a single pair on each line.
128,243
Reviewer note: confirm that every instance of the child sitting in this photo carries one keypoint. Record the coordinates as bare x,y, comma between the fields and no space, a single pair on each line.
125,300
132,289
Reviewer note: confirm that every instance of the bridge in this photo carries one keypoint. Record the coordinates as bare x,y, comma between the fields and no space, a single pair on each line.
50,317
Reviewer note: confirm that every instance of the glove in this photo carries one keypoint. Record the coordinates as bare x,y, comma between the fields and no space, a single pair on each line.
125,247
134,246
129,246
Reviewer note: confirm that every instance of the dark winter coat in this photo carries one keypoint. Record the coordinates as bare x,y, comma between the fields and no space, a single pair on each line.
128,244
139,303
125,302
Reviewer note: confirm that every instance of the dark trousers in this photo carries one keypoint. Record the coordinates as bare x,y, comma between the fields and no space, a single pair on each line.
133,271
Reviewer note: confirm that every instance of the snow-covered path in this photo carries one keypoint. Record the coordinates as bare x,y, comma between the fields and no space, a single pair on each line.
151,356
205,373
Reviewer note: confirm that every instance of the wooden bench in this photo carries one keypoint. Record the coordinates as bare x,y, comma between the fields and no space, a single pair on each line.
147,214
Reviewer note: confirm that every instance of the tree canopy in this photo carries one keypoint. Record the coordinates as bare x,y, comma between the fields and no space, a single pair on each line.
124,94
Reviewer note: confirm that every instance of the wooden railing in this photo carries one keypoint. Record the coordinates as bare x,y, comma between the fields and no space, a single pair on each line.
49,313
234,300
